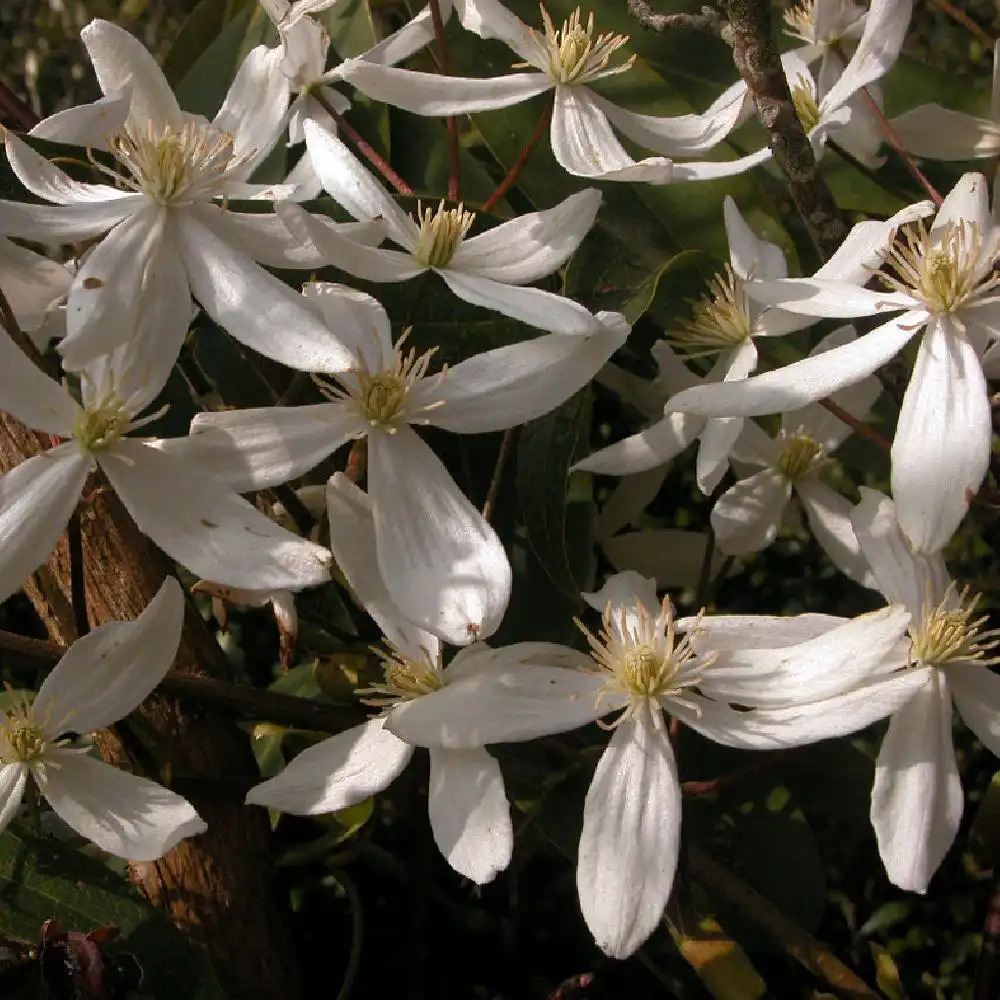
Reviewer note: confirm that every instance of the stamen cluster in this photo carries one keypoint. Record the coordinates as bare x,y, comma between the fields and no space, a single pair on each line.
719,319
800,454
573,54
949,632
441,233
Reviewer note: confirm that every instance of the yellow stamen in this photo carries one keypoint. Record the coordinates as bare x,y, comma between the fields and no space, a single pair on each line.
441,233
572,53
949,632
719,320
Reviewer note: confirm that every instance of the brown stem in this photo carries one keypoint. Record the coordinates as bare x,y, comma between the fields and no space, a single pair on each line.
858,426
764,915
749,32
363,147
959,15
18,112
455,166
712,785
506,448
518,165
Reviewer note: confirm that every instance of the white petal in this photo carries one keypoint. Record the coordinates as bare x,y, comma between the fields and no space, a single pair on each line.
830,664
254,307
105,674
13,778
442,562
512,385
86,124
626,592
491,19
725,632
533,306
583,143
941,134
750,257
33,284
512,701
710,170
359,321
941,450
28,394
338,773
122,64
654,446
867,245
207,527
411,37
801,382
257,448
718,439
36,500
125,815
63,223
627,502
747,516
829,516
630,838
826,298
435,95
531,246
967,201
470,818
671,556
917,797
976,691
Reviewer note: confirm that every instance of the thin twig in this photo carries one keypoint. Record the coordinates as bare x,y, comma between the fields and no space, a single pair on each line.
455,166
506,447
522,158
19,112
363,147
708,20
705,574
712,785
858,426
963,19
77,580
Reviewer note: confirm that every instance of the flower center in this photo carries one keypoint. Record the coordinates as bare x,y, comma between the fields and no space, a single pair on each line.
804,102
573,54
643,659
175,165
944,272
21,738
799,454
801,20
101,425
441,232
719,320
950,632
404,678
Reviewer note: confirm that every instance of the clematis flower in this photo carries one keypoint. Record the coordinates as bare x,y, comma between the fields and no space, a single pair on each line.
825,27
166,240
641,667
917,797
746,518
101,678
566,61
195,520
442,562
487,270
469,815
940,280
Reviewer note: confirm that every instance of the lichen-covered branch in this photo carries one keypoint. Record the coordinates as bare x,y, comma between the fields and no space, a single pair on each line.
709,19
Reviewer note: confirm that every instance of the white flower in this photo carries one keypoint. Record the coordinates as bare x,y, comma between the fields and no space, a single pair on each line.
194,519
746,518
941,280
917,798
100,679
469,815
824,26
166,240
639,668
442,562
486,270
565,60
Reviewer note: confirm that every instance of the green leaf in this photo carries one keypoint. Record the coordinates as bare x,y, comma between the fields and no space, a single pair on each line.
202,27
42,879
352,31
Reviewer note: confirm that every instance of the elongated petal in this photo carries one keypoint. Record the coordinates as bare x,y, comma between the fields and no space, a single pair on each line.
207,527
801,382
127,816
942,134
254,307
470,818
627,592
917,797
105,674
352,539
654,446
829,516
976,691
725,632
86,124
627,502
584,145
442,562
710,170
28,394
359,321
123,64
941,449
32,283
36,500
64,223
531,246
828,665
747,516
630,838
13,778
339,772
512,385
827,298
410,38
511,702
257,448
967,201
750,256
718,439
491,19
671,556
435,95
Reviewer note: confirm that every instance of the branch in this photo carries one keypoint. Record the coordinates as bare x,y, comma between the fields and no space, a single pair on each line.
749,33
708,20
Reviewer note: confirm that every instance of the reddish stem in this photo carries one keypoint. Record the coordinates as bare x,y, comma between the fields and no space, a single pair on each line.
518,165
19,112
858,426
764,761
455,167
963,19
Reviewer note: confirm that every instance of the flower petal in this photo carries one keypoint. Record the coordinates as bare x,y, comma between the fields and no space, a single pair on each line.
360,321
86,124
470,817
442,562
654,446
521,382
747,516
826,298
829,516
726,632
338,773
942,134
32,283
31,396
63,223
967,201
710,170
13,778
36,500
531,246
917,797
127,816
627,593
207,527
750,256
491,19
106,673
630,838
941,450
